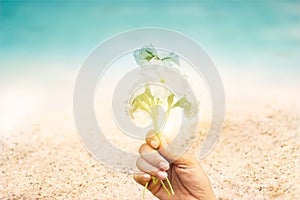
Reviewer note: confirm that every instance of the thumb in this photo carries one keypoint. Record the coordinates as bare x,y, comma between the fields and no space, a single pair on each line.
152,139
157,141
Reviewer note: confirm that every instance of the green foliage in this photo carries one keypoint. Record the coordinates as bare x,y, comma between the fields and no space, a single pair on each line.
148,53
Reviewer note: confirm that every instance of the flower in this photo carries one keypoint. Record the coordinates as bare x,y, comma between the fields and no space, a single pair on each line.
167,82
188,103
165,76
144,55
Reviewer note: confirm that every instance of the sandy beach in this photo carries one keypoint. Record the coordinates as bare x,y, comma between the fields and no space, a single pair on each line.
255,46
257,156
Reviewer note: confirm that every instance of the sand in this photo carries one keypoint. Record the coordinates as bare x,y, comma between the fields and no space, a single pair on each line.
257,156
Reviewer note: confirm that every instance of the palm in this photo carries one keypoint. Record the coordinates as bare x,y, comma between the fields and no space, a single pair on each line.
186,181
185,174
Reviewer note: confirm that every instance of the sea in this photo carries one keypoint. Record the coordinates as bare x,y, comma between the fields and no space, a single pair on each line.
256,34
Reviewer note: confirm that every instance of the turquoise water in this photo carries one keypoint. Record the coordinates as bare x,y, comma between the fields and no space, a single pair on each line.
263,34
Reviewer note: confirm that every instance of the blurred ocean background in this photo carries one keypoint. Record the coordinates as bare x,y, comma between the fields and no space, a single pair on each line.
37,34
44,42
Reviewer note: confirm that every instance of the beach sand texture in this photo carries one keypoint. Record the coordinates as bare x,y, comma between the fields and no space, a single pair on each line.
257,156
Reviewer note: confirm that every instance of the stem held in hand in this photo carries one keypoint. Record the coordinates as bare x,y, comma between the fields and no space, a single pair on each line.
150,103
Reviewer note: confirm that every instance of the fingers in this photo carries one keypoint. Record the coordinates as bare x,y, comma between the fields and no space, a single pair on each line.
152,140
153,157
142,178
150,161
159,143
146,167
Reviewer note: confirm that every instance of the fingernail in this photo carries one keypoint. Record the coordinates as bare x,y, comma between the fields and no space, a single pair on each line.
162,175
146,176
154,144
164,165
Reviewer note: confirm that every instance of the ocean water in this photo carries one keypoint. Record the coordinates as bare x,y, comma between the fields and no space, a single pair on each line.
244,34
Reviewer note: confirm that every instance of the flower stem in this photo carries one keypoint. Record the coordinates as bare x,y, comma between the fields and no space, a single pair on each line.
170,186
165,188
154,114
145,188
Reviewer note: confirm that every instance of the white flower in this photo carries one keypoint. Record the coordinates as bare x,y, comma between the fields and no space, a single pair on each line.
164,76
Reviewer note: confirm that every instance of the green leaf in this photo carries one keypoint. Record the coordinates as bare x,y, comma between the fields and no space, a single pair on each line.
148,93
154,180
144,101
144,55
131,111
166,58
142,105
170,101
148,58
183,103
144,98
149,52
177,104
172,58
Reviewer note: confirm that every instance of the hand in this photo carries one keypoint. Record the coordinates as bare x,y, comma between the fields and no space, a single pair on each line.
186,175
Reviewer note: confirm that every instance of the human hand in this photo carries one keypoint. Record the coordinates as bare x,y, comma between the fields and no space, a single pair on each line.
186,175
